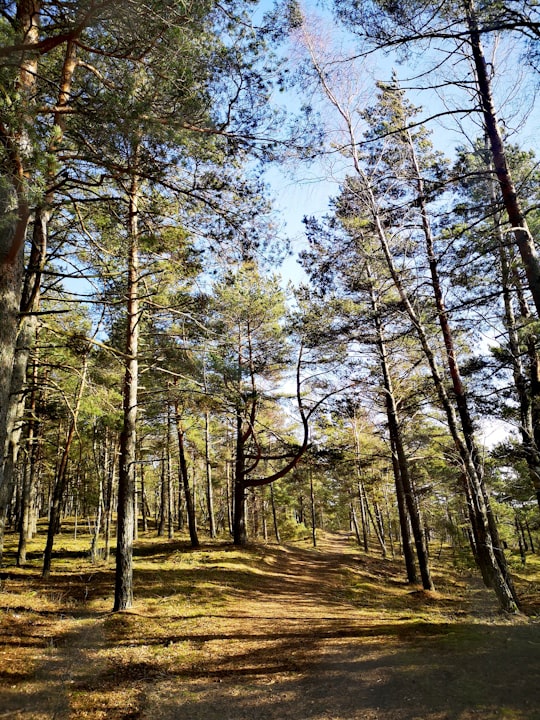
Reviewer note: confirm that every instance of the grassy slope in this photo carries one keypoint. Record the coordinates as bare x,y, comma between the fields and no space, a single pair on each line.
265,632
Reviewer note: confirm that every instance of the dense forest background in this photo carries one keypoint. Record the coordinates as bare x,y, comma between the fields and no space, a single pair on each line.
162,367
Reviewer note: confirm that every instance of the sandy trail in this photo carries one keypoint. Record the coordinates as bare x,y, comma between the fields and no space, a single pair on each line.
296,644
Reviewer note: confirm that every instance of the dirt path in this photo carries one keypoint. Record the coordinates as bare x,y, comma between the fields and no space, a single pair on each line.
305,650
296,634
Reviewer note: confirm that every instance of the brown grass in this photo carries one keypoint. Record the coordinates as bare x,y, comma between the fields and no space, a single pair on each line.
264,632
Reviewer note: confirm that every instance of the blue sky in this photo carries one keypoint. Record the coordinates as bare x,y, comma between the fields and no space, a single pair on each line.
307,191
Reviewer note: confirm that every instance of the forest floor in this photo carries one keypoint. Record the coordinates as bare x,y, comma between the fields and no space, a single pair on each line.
265,633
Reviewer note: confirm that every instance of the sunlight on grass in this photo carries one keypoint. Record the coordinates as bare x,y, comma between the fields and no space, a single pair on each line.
218,612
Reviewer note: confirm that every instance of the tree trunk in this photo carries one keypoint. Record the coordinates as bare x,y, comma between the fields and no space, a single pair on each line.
24,284
362,501
274,514
313,510
29,475
184,481
26,339
477,484
144,507
164,500
489,552
209,490
354,522
123,591
15,212
264,503
401,469
361,489
460,394
529,535
110,483
15,412
528,393
239,512
170,490
404,523
62,476
228,498
518,223
94,552
389,521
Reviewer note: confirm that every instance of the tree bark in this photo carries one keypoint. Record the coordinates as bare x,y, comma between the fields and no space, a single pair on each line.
144,508
15,413
239,490
29,476
15,212
184,481
528,393
313,510
209,489
62,476
94,552
164,503
123,592
518,223
111,490
404,488
274,514
362,499
27,283
404,523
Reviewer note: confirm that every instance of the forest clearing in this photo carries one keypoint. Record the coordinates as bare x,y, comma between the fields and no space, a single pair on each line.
265,632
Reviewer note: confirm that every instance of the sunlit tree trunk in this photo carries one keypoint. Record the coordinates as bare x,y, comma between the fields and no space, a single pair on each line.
403,515
15,213
11,423
163,499
15,415
110,485
361,489
123,593
144,507
170,490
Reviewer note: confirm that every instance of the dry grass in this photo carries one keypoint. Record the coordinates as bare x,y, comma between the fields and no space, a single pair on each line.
264,632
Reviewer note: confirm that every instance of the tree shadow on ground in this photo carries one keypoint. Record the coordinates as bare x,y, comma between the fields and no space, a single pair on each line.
411,671
468,671
264,633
